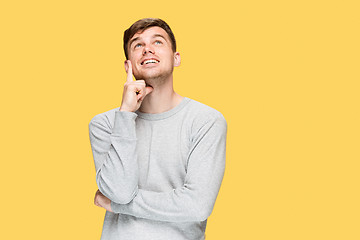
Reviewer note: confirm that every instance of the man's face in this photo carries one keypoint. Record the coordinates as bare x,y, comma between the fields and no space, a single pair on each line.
151,55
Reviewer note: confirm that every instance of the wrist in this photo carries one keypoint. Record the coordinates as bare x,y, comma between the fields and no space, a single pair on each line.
123,109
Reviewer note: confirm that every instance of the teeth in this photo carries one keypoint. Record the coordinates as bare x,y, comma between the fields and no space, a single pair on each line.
150,61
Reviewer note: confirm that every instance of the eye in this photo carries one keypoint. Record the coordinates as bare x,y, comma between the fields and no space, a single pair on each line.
158,42
137,45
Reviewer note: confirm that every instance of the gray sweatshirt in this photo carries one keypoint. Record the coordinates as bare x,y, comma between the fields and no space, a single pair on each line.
162,172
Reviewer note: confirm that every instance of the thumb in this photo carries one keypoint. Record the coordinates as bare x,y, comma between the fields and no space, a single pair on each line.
149,89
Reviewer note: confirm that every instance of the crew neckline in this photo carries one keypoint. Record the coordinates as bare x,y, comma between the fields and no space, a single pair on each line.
163,115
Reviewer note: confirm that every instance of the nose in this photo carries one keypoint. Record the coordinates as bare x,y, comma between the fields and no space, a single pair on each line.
148,49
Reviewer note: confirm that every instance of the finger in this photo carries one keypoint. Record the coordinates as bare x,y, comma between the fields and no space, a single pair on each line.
136,86
144,92
129,72
95,198
147,90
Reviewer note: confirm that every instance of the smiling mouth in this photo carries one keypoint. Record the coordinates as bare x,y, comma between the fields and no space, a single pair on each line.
149,61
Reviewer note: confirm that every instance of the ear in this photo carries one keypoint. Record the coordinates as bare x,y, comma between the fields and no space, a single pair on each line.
177,59
126,65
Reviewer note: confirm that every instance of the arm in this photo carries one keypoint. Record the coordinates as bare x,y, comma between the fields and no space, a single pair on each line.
115,156
114,150
195,200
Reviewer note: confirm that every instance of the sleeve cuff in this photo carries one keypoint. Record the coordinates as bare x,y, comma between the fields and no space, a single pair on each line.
115,207
124,124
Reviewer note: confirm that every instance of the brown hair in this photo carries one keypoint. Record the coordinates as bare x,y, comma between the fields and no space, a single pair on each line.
143,24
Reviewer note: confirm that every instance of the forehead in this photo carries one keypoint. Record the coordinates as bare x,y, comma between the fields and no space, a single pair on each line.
150,33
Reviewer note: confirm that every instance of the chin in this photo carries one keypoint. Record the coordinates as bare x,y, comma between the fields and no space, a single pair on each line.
153,76
154,80
147,75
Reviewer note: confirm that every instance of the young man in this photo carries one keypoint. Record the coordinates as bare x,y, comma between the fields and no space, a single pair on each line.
159,157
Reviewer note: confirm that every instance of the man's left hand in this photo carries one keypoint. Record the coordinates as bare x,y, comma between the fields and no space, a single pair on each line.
101,201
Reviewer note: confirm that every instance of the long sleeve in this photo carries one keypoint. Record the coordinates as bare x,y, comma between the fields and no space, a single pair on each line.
194,201
114,153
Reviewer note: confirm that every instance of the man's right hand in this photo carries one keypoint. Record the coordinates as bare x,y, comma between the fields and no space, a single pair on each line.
134,91
101,201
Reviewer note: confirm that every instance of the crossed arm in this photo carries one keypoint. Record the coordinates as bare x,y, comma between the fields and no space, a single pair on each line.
118,191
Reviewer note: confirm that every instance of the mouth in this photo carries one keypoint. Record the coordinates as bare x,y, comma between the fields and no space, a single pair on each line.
149,61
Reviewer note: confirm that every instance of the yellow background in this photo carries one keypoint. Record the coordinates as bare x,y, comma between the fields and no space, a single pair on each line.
285,74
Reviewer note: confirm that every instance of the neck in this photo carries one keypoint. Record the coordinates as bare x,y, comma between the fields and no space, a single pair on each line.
161,99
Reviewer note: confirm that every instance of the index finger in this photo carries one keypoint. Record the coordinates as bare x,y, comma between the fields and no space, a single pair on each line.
129,77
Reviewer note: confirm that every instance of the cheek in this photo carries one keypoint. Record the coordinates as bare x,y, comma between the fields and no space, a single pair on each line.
134,62
134,55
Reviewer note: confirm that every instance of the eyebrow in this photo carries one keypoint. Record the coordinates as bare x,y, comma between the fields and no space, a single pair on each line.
159,35
133,40
154,36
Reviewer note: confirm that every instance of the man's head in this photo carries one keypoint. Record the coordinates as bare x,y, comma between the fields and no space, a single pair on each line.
150,46
143,24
